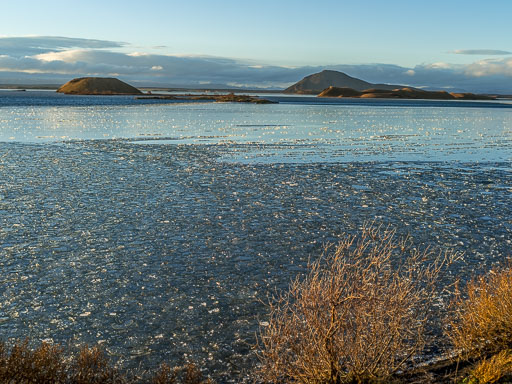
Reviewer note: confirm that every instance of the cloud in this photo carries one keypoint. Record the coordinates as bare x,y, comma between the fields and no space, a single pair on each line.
490,67
66,56
33,45
440,65
483,52
150,68
57,59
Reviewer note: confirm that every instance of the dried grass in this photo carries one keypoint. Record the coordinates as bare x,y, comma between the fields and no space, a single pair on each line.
91,366
491,370
47,363
24,365
482,319
358,316
188,374
165,375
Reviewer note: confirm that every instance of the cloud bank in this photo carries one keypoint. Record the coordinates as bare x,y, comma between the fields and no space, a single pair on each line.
56,60
32,45
483,52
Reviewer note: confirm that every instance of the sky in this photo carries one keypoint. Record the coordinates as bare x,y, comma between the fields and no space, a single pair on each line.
450,44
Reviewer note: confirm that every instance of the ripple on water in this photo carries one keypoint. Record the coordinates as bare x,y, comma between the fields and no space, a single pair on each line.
164,251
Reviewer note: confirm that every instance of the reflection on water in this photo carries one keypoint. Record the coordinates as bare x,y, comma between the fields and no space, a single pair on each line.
163,249
299,132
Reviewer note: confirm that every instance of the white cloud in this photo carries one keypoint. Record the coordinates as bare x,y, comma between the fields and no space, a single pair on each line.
33,45
440,65
490,67
483,52
66,56
137,54
57,59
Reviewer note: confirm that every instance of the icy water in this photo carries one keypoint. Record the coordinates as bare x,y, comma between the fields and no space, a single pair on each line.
155,229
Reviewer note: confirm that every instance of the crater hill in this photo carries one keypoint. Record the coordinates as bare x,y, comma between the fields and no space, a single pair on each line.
98,86
317,82
399,93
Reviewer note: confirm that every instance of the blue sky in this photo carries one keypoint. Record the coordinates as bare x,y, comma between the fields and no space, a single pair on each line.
452,44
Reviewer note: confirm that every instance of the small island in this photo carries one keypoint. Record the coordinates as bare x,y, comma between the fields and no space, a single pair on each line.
228,98
111,86
98,86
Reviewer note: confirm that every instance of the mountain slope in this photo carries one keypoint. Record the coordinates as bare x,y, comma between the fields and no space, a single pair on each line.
316,83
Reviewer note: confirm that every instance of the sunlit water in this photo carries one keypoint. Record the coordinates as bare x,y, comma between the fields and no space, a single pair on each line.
155,229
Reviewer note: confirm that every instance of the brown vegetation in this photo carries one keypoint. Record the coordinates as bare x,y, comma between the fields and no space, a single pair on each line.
188,374
24,365
482,319
400,93
492,369
359,314
339,92
49,364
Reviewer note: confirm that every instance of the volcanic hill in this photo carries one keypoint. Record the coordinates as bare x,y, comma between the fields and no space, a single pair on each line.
317,82
98,86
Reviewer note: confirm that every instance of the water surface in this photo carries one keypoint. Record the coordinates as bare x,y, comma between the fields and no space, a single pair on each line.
155,230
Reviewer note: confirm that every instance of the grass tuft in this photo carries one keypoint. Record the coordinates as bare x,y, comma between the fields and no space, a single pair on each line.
188,374
165,375
91,366
482,319
491,370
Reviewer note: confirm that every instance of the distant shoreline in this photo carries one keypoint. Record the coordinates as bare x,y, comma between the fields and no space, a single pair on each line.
54,87
223,98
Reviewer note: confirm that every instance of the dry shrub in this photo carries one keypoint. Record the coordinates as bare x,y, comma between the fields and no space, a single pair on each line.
491,370
188,374
358,316
48,364
91,366
482,320
25,365
165,375
21,364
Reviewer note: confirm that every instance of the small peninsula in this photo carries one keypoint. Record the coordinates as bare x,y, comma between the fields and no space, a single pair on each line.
98,86
400,93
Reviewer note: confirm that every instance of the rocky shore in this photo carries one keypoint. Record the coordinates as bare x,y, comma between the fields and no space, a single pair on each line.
229,98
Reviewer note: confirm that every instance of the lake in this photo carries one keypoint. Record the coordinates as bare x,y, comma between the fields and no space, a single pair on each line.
155,228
